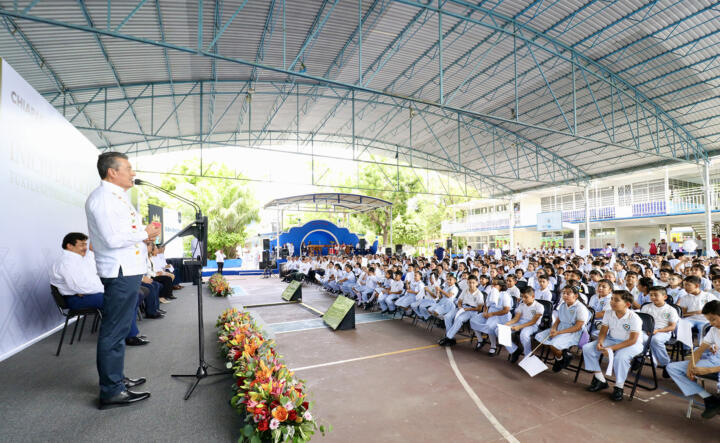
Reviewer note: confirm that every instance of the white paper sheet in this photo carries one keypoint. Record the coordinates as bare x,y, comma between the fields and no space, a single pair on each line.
684,332
532,365
364,261
504,335
611,358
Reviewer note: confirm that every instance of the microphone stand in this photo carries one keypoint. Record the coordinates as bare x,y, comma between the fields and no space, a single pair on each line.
198,229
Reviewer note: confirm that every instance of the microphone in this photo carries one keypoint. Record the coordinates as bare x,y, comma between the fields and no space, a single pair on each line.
198,211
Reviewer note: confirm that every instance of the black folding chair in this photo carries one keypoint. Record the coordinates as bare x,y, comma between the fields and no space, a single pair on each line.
68,313
546,320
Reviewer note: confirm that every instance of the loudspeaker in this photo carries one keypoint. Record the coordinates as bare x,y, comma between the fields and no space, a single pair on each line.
398,249
388,251
449,243
266,244
266,256
363,243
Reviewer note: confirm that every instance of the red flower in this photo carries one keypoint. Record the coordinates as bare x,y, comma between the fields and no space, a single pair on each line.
305,405
264,425
292,415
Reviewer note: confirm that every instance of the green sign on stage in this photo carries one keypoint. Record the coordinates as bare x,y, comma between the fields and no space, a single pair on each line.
289,294
335,315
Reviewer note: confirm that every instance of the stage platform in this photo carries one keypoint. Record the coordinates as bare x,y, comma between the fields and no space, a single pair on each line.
386,380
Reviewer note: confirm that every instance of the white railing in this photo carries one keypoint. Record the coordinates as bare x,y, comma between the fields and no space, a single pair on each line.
682,201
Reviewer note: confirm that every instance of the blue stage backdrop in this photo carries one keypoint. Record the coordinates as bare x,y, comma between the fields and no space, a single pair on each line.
317,232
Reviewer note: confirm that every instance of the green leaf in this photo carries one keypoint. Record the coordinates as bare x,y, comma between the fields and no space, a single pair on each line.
248,430
255,439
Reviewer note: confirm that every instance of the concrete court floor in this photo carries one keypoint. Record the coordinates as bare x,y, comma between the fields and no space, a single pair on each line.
400,386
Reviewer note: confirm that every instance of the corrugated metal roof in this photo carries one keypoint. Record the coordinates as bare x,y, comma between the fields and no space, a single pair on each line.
666,50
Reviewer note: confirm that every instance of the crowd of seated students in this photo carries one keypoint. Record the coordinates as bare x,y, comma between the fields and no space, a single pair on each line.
594,297
75,276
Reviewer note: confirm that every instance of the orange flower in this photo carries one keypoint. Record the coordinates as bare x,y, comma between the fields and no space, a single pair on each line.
280,413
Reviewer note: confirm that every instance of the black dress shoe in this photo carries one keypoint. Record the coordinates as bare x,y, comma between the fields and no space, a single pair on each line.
442,341
136,341
712,407
515,355
125,398
158,315
132,382
162,311
558,365
665,373
171,297
617,394
493,352
567,359
597,385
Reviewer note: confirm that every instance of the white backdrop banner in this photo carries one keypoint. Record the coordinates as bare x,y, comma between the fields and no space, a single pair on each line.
47,170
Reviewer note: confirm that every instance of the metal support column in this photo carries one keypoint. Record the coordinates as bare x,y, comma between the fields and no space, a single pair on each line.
709,203
511,250
587,217
277,239
392,245
667,191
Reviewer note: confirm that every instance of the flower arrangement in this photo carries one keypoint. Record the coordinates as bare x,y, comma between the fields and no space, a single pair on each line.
219,287
265,391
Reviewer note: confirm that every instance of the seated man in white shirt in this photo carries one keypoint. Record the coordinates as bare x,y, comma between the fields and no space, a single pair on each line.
75,277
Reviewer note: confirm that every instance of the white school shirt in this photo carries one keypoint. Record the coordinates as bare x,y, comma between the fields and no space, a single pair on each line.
397,286
219,257
664,315
713,339
675,293
419,288
514,292
528,312
693,303
451,290
473,299
600,304
74,274
620,328
115,232
543,294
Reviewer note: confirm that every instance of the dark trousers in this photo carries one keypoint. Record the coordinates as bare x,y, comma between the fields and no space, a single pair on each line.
152,301
220,266
96,301
119,307
167,285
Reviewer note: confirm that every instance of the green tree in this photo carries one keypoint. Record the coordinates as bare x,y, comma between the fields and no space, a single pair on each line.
371,180
229,204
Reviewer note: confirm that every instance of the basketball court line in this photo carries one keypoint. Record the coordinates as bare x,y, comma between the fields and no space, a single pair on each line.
480,405
368,357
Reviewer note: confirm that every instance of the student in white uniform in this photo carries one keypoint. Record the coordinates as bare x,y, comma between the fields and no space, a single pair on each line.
447,296
414,292
567,328
693,302
675,288
666,320
600,303
542,292
396,290
469,305
620,332
525,323
706,359
496,311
